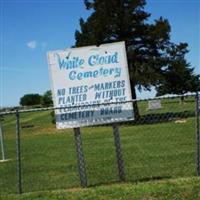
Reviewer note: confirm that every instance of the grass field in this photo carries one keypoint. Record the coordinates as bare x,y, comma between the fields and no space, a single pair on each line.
177,189
151,152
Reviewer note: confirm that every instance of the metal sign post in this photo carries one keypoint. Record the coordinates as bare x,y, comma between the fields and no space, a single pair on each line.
2,145
198,97
120,161
80,157
18,154
197,136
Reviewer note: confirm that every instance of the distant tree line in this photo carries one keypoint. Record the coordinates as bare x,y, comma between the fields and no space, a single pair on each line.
44,100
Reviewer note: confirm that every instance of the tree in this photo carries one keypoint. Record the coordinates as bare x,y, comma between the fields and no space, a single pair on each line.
179,78
47,99
30,100
149,49
126,20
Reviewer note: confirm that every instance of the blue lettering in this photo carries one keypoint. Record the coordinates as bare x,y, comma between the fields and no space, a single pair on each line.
72,75
91,60
102,60
68,63
115,72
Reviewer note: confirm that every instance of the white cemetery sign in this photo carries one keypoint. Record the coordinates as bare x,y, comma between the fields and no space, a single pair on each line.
87,76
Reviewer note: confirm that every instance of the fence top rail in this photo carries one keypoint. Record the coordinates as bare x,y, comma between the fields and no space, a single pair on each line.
94,105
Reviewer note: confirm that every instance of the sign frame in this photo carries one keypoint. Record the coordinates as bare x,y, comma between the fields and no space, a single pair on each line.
114,55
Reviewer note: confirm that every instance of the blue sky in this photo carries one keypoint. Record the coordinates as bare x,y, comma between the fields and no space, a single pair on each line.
30,28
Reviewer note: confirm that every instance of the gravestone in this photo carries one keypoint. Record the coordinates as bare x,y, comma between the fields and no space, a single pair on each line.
154,104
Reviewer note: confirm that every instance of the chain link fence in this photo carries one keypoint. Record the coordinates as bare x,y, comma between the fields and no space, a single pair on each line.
161,142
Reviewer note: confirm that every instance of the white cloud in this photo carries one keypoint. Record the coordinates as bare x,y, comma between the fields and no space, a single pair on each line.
31,44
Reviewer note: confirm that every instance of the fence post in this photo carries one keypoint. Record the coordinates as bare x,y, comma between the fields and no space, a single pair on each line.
80,157
118,150
2,144
197,135
18,154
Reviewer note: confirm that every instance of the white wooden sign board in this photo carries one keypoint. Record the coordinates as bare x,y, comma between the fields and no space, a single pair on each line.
154,104
87,76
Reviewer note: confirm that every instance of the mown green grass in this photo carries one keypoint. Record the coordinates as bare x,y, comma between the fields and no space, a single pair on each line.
151,151
177,189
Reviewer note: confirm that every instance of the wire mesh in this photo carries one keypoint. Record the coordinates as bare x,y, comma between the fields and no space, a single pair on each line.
8,163
159,143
